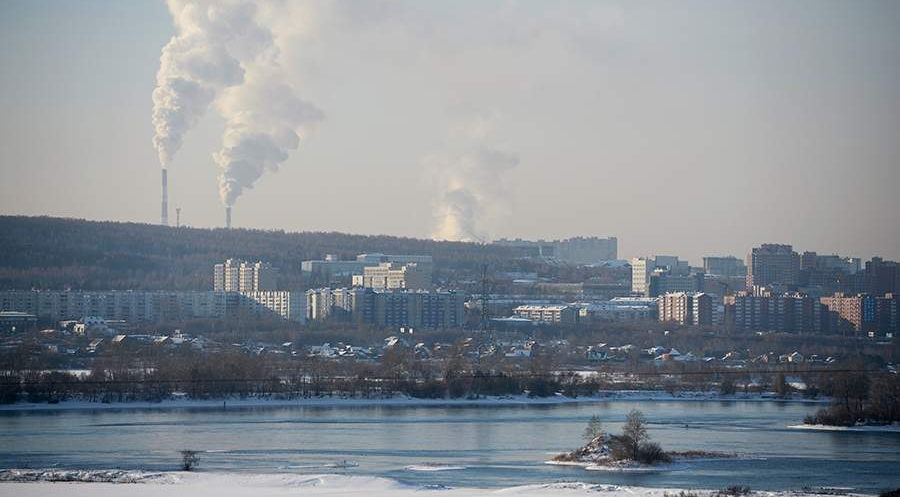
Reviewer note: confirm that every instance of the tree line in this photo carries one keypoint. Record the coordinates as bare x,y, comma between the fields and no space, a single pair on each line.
58,253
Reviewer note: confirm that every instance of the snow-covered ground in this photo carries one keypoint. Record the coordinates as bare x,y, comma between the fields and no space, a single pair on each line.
434,467
867,428
399,401
240,485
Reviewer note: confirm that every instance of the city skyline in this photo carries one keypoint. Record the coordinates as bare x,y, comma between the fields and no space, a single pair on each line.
572,116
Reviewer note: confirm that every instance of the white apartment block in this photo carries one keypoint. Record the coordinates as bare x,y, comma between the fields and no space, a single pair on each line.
548,313
241,276
641,270
290,306
394,276
149,307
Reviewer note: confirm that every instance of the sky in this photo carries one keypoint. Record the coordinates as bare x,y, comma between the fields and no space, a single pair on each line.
696,128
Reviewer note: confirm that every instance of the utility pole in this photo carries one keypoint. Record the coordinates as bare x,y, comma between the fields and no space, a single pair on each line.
485,317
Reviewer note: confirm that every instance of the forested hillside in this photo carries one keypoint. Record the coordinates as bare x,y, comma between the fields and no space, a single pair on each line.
57,253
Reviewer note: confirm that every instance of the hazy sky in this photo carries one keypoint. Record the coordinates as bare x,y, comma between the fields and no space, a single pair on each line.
689,128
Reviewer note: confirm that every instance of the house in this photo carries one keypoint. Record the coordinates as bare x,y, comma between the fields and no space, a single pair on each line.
95,343
597,353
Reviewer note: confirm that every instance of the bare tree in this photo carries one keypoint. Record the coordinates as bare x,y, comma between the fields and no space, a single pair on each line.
593,429
189,459
635,432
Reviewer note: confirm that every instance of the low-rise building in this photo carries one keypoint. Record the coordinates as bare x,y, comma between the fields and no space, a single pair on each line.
395,276
560,313
620,309
15,321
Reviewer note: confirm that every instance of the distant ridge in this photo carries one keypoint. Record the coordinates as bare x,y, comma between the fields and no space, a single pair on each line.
57,253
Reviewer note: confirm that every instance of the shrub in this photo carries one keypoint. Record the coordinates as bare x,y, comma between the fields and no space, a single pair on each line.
623,448
620,447
734,490
727,387
189,459
681,494
652,453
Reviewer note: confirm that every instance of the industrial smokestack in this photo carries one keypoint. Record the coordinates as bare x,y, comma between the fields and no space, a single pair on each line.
228,217
165,197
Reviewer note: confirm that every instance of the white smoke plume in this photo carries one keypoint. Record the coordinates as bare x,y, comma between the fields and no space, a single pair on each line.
226,53
472,191
198,62
264,121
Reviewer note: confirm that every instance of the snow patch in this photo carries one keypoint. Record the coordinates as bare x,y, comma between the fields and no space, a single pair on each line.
863,428
85,476
434,467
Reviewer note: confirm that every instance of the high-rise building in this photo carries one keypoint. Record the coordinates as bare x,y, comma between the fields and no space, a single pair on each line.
772,264
812,260
235,275
789,313
651,277
389,309
724,266
707,309
641,269
887,314
881,277
676,307
696,308
853,314
290,306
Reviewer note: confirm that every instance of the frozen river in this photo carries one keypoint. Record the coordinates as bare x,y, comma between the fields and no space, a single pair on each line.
495,446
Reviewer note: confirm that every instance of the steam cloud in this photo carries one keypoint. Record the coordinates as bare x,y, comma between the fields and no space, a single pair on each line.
265,120
196,64
225,52
471,185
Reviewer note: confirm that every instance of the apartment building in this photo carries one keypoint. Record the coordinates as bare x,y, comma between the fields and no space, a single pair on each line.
557,313
852,314
725,266
771,264
235,275
389,309
151,306
696,308
395,276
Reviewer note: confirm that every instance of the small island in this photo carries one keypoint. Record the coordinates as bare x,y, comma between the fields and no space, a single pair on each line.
860,402
630,451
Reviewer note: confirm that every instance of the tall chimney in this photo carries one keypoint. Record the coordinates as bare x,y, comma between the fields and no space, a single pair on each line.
228,217
165,197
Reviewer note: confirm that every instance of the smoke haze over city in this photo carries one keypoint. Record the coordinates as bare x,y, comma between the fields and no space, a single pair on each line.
697,129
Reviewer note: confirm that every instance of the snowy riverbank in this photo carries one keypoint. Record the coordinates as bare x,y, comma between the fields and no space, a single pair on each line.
860,428
235,485
511,400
